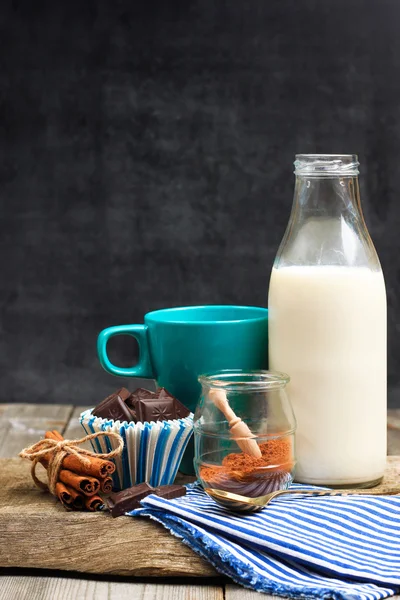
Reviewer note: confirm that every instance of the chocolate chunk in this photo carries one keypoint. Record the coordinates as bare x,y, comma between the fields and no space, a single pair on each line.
155,409
180,410
120,503
134,415
114,407
170,491
141,405
139,394
159,406
163,393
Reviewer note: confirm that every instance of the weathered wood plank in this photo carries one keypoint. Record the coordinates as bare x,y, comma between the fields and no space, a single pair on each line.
73,429
63,588
32,521
24,424
52,588
394,431
37,411
236,592
168,591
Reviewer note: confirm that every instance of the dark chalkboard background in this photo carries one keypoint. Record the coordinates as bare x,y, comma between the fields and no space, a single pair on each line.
146,161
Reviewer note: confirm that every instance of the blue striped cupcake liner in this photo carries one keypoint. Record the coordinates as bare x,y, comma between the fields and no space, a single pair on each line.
152,450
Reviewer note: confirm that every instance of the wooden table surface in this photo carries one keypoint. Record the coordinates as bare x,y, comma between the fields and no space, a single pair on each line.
22,425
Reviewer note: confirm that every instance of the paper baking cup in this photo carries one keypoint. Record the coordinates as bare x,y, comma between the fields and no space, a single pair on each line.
152,451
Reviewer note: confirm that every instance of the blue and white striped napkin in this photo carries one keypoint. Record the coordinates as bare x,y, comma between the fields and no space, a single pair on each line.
341,547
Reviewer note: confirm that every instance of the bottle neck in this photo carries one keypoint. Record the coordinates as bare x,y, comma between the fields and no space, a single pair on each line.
327,197
326,226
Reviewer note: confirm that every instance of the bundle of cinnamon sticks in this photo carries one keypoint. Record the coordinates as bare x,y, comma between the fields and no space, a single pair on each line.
79,483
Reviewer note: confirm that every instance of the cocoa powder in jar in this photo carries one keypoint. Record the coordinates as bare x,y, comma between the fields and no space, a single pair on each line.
243,474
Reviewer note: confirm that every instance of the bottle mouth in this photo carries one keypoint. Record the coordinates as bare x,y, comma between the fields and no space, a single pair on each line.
236,380
326,165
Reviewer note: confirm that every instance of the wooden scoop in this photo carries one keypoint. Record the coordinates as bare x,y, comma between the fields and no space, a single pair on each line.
239,430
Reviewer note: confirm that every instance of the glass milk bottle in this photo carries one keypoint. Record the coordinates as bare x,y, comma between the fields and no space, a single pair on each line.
327,327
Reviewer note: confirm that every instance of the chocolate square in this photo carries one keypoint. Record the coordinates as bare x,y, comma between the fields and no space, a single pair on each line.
155,409
114,407
180,410
120,503
139,394
170,491
143,393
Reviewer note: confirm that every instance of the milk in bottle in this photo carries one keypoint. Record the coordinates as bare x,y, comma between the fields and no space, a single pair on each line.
327,327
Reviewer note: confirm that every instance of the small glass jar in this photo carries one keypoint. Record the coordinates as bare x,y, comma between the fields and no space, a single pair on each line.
259,399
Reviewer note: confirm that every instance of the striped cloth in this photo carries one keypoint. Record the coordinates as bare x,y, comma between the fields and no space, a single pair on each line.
341,547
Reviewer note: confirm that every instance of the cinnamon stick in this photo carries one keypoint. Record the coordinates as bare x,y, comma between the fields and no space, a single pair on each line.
97,467
69,497
54,435
106,485
63,494
86,485
94,503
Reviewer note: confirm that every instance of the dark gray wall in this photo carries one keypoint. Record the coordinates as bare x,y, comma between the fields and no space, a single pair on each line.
146,161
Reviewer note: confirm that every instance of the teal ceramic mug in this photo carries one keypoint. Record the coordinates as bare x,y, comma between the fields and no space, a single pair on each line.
176,345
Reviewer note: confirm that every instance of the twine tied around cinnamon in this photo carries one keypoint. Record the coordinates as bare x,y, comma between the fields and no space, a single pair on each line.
55,452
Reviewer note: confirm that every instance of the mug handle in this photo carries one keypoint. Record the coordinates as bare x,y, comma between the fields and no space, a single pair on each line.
143,368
